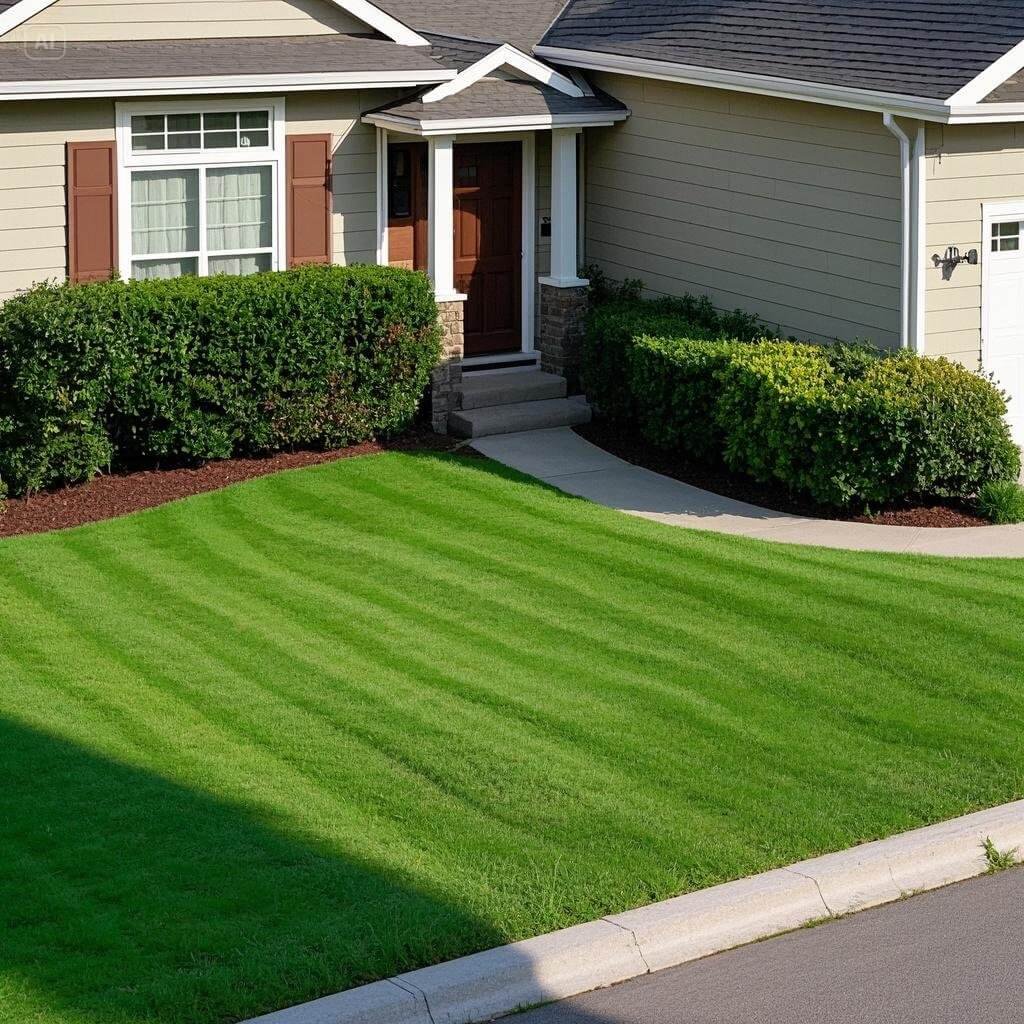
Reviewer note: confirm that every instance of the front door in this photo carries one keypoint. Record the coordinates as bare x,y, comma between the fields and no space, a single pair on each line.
488,245
1004,316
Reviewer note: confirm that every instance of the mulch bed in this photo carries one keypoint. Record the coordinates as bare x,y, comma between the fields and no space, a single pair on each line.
118,494
735,485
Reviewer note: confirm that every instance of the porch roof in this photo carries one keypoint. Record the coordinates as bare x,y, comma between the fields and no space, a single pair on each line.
493,104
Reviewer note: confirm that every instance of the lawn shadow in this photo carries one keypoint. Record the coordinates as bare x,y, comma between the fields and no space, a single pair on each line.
126,897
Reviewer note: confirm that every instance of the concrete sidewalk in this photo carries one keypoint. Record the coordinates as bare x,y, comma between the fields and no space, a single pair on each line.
565,460
947,957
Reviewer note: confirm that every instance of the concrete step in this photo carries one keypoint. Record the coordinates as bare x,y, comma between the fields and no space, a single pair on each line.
480,390
509,419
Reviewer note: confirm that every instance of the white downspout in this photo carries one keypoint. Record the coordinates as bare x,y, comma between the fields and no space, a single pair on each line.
920,274
890,122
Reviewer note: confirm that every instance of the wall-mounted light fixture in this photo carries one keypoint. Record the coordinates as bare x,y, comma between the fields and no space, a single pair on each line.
952,259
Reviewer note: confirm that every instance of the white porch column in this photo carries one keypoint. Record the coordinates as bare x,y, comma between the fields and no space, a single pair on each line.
441,218
564,207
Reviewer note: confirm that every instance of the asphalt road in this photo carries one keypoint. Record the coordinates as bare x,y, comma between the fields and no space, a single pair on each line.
953,956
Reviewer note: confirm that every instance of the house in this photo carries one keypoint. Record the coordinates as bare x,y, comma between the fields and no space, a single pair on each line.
845,168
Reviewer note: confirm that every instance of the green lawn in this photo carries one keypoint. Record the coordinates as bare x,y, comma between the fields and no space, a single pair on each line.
315,729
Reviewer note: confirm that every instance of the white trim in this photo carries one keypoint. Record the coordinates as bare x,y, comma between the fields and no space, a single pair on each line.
905,217
767,85
441,217
992,213
986,113
382,197
564,211
476,125
217,84
991,78
272,156
505,56
362,10
528,175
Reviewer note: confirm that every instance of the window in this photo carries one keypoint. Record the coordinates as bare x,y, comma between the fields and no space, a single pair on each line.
400,182
1006,236
193,198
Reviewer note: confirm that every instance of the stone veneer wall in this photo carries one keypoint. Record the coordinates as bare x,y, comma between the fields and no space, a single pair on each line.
447,376
563,313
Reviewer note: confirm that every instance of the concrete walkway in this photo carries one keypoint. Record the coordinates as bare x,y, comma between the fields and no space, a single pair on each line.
946,957
565,460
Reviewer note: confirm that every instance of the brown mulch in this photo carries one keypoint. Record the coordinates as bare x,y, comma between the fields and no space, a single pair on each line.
735,485
117,494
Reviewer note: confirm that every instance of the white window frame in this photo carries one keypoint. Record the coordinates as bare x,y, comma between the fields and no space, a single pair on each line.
272,156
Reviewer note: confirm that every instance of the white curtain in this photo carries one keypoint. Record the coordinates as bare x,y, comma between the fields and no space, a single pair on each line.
238,210
145,270
254,264
165,212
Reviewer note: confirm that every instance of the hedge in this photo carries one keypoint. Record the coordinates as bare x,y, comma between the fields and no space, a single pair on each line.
845,425
126,374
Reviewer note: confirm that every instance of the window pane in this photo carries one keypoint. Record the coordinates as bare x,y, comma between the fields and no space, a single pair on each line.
165,212
220,140
254,264
147,143
148,270
219,121
184,140
147,123
254,119
238,209
183,122
255,138
1010,244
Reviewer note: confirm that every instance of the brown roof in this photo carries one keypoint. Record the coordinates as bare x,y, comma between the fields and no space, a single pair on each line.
186,58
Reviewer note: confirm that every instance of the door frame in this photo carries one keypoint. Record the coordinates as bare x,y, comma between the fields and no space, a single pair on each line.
528,229
992,213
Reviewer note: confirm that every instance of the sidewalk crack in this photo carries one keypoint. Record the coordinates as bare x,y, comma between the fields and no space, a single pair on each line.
821,895
408,986
632,935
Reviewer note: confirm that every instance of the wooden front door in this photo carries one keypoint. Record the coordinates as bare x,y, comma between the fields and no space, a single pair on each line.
488,245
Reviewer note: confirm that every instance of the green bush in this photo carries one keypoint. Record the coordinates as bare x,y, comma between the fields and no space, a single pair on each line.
129,373
1002,501
843,424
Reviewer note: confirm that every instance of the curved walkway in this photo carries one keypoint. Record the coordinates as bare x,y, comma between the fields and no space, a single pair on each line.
565,460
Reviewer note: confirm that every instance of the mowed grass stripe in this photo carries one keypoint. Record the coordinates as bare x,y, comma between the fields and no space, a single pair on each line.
335,723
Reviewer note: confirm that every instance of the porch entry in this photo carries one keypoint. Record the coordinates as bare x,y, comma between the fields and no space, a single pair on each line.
488,234
1003,316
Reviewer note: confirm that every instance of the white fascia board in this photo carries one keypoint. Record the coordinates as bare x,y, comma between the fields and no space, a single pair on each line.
991,78
986,113
765,85
362,10
477,125
127,87
505,55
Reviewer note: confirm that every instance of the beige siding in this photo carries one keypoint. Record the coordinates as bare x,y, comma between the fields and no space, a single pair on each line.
785,209
33,236
354,167
188,19
968,165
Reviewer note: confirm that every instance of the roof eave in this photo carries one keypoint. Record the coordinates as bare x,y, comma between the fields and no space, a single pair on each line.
508,123
785,88
219,84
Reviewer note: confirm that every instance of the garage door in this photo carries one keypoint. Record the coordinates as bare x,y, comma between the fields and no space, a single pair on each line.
1003,350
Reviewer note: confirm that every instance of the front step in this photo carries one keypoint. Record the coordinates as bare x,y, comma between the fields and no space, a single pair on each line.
481,390
509,419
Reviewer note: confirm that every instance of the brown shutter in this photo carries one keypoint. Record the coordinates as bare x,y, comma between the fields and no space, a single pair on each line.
92,210
309,199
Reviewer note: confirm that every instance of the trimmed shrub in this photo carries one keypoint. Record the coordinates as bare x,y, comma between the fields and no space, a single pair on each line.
843,424
132,373
1002,502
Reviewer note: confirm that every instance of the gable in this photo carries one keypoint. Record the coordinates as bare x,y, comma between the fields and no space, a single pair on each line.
195,19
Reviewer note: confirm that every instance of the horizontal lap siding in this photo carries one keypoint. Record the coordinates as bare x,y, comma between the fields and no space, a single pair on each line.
33,213
788,210
353,165
189,19
968,165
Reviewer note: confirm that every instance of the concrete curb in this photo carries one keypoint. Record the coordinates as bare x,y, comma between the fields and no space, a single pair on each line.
622,946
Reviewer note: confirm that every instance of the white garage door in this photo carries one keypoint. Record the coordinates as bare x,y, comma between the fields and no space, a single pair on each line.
1003,351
